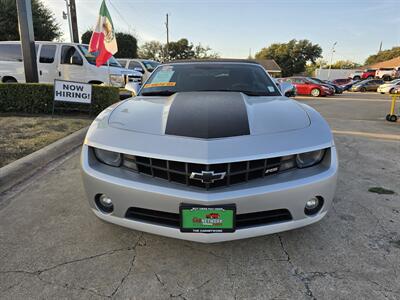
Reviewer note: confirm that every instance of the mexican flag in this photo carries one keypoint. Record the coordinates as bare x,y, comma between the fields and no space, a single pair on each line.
103,38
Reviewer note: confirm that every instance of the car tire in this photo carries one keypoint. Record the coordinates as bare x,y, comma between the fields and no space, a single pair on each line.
315,92
370,77
10,80
391,91
363,90
393,118
356,78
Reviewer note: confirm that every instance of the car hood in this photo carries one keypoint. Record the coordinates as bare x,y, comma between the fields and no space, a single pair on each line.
209,115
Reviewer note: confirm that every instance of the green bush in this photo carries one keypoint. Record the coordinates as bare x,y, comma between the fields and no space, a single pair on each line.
35,98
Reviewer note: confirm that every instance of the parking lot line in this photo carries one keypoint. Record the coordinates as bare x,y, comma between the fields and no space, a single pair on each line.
383,136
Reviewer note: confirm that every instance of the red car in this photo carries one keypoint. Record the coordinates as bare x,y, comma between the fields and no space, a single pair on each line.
306,86
368,74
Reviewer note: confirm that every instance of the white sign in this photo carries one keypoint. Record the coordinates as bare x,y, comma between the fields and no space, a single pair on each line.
69,91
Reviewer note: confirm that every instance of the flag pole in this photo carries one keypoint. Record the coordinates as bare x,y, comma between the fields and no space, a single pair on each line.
108,69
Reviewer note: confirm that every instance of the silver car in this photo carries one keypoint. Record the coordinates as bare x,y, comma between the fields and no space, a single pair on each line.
210,151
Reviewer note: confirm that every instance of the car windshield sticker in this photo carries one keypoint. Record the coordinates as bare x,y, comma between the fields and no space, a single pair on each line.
158,84
163,76
271,89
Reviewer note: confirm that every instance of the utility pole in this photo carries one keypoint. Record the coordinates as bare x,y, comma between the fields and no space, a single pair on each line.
27,38
67,15
167,26
74,22
330,65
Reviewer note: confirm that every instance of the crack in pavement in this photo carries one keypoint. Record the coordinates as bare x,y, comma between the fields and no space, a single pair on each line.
159,279
300,276
181,295
37,273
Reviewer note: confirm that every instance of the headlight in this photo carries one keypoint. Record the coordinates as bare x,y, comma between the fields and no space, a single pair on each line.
309,159
108,157
117,80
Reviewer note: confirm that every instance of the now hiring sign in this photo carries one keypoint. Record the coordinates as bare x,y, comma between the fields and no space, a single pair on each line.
69,91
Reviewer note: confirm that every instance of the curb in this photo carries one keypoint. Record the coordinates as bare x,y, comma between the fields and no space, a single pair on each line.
21,169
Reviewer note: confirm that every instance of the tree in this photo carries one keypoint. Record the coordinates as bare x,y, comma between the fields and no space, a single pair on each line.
180,50
293,56
44,24
345,64
127,44
383,55
152,50
201,52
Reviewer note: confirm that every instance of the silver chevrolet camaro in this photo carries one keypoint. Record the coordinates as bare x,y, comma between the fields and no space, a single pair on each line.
210,151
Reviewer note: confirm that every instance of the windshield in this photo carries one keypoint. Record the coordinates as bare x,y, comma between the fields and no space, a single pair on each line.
150,65
91,57
250,79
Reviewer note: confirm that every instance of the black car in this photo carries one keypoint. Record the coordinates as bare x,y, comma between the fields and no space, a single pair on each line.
338,89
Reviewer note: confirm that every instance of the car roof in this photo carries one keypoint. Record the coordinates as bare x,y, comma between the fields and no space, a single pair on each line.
219,60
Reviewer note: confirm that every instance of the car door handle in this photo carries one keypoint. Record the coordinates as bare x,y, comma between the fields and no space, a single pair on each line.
40,72
59,73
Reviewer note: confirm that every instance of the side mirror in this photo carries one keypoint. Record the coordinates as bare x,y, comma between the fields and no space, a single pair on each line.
133,87
279,86
138,69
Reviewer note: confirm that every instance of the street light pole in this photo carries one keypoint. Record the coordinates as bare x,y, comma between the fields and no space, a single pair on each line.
27,37
69,21
74,22
330,65
167,26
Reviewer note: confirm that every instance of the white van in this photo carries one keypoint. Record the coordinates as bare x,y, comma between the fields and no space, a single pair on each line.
144,66
66,61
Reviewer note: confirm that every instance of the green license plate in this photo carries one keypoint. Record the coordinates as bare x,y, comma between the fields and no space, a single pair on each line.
207,219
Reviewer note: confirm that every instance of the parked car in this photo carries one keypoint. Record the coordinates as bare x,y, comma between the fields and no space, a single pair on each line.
396,90
388,87
144,66
210,130
305,86
66,61
367,85
286,87
337,89
368,74
356,75
387,74
348,86
341,82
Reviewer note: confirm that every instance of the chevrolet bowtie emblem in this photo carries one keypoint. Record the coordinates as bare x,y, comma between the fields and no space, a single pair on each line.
207,176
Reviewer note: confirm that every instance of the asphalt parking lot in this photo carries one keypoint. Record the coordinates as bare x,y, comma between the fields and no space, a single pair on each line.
52,246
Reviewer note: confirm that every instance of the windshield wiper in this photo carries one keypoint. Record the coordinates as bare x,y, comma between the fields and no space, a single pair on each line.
159,93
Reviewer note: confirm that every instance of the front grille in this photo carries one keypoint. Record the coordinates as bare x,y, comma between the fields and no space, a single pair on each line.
242,220
235,172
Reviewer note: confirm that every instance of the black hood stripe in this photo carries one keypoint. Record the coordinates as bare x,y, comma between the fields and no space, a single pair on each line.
208,115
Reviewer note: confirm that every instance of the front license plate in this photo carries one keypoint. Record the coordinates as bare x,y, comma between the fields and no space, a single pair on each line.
207,219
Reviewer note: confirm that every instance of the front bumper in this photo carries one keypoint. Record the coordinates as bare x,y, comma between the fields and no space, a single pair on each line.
288,190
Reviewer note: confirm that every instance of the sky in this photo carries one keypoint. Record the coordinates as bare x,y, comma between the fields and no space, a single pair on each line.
236,28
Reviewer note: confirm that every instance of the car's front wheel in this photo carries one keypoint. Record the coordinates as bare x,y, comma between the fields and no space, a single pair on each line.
363,90
315,92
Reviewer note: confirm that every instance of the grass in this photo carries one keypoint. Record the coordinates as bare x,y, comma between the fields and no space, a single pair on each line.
22,135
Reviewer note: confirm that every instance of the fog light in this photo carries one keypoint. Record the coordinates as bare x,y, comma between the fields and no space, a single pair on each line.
104,203
313,205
